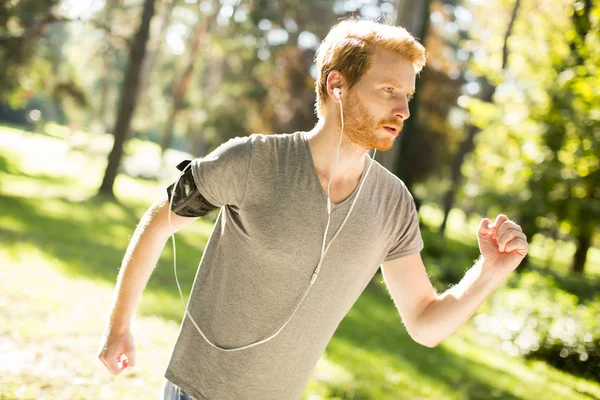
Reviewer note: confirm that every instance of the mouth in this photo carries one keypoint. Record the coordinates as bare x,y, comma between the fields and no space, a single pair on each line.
392,130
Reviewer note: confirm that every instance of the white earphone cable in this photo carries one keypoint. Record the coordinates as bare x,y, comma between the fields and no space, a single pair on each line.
337,157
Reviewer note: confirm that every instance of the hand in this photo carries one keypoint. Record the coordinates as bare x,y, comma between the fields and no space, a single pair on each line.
502,244
117,351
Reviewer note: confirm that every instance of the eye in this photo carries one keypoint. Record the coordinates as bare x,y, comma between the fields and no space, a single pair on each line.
409,97
389,89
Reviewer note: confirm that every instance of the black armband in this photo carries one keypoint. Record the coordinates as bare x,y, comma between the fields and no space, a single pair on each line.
187,200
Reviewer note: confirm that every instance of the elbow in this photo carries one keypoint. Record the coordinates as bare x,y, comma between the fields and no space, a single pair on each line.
423,340
425,333
427,343
431,345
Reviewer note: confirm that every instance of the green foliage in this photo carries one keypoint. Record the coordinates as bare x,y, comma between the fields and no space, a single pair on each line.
552,325
29,48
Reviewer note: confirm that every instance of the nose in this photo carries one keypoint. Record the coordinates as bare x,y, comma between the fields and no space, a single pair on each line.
402,110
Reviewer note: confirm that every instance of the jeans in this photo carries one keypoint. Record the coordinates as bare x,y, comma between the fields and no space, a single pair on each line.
174,392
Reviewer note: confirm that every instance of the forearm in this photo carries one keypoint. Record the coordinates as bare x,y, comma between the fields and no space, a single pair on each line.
442,317
139,261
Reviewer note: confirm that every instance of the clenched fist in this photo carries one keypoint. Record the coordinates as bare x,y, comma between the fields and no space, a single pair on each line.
117,351
502,244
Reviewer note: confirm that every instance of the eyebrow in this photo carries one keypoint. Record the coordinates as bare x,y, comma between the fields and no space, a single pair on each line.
396,84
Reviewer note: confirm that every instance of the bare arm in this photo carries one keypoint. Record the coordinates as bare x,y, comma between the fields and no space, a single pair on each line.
446,314
411,290
503,246
139,261
429,317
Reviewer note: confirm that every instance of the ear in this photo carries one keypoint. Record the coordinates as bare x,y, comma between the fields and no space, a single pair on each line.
335,79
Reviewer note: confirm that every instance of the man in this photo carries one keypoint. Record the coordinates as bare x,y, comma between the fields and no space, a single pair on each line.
259,319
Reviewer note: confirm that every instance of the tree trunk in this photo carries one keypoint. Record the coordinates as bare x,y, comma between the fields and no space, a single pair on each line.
183,84
584,241
582,24
107,55
197,146
165,137
104,87
128,99
154,48
210,81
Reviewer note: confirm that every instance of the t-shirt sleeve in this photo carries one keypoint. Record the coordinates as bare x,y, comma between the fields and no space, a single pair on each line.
221,176
408,234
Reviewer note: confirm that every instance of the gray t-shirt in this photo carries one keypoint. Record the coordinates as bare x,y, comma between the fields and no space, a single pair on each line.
259,260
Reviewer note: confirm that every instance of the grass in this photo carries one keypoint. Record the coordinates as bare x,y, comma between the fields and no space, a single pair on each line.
60,249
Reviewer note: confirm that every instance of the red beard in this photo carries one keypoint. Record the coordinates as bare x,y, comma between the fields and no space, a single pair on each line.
361,129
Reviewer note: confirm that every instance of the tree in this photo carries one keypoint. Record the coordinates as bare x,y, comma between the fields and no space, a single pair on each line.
184,81
128,102
153,50
107,54
22,24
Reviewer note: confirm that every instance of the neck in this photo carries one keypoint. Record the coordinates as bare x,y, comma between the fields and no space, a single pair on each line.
323,140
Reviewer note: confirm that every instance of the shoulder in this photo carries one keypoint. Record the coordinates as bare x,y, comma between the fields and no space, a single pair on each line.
235,145
282,143
246,146
391,184
234,151
276,139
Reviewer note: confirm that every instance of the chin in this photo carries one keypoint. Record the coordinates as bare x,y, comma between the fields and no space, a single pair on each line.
379,144
384,146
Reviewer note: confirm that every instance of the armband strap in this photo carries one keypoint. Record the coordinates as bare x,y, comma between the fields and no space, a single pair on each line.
187,200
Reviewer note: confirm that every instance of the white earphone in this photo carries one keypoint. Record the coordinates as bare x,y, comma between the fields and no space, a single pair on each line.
337,93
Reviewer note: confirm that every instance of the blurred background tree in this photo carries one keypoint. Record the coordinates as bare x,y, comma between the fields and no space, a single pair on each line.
33,67
129,97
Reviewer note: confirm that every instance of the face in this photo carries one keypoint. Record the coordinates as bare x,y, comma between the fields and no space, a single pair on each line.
377,106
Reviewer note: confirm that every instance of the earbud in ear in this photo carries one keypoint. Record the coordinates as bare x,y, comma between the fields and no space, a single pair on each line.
337,92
